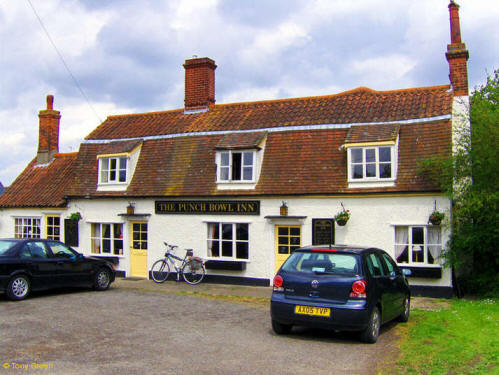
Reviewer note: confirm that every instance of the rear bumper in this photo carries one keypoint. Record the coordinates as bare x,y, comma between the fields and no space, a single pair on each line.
351,316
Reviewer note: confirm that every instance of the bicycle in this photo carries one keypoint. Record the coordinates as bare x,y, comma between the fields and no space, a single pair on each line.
192,268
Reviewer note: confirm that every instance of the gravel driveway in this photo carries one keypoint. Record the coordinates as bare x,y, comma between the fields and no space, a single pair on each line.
124,331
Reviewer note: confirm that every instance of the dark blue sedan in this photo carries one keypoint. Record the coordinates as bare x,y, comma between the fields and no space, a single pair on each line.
36,264
339,287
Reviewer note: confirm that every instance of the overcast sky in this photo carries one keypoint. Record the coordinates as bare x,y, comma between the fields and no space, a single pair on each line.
127,55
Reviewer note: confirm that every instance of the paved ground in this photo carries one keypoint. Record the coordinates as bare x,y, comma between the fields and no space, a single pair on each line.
138,327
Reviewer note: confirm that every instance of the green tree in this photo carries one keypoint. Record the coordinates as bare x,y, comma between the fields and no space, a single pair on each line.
470,178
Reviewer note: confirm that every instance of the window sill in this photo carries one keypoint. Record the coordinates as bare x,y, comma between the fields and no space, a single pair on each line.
424,271
113,187
114,259
231,265
236,185
356,184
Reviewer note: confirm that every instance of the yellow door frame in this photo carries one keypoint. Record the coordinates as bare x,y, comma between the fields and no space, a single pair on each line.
138,250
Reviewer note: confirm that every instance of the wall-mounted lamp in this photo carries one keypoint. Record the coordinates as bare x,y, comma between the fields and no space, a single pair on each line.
284,209
130,209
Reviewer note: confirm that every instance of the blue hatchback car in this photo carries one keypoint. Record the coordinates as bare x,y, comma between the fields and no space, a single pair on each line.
339,287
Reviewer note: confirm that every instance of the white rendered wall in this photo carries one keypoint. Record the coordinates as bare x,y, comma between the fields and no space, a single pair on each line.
371,224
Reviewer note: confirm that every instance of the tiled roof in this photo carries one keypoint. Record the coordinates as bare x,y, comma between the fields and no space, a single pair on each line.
361,105
120,147
41,185
234,141
295,162
174,161
372,133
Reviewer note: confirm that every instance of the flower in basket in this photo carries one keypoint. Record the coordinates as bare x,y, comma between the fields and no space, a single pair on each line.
342,217
436,217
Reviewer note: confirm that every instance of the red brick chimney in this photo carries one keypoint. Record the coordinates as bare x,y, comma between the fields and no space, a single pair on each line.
199,83
48,138
457,54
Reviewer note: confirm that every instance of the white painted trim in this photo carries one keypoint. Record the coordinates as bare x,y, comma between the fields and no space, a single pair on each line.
270,130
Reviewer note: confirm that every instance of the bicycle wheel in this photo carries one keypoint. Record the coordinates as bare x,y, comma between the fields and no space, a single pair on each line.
160,271
193,272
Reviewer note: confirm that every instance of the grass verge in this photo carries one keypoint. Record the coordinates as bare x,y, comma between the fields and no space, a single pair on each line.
463,339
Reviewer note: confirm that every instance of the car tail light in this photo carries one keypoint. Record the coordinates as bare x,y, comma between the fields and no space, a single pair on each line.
278,282
359,289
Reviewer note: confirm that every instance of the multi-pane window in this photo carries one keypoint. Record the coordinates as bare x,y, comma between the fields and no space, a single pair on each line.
288,239
107,239
53,227
228,240
418,244
236,166
113,170
371,163
27,227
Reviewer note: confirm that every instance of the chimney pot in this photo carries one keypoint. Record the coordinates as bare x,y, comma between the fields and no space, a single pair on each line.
50,102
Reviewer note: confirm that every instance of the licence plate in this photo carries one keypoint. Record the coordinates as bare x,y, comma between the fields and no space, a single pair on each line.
313,310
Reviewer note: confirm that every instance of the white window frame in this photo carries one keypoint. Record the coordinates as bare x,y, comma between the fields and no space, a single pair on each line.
117,171
229,167
220,240
100,238
27,227
377,162
411,246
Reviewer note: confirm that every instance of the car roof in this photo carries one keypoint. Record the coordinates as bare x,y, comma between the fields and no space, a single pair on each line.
338,248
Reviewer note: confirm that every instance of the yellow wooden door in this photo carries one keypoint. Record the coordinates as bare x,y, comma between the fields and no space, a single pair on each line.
138,249
287,240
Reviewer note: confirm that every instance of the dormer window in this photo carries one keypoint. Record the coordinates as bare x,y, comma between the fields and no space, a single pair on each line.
113,170
372,155
239,158
117,162
370,163
237,166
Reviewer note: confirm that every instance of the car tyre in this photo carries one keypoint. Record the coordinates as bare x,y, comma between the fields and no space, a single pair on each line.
18,288
281,329
404,317
371,333
102,279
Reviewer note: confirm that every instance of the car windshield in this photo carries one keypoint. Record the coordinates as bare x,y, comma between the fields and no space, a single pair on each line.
6,247
322,263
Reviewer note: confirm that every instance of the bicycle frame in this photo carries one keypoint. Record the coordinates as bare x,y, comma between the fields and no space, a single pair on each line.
170,258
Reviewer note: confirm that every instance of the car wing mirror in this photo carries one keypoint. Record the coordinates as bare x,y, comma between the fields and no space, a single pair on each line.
406,272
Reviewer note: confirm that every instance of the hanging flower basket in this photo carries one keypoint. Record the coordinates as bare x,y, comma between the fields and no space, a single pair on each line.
436,218
342,217
75,216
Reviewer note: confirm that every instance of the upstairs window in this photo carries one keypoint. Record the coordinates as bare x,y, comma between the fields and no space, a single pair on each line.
371,163
113,170
236,166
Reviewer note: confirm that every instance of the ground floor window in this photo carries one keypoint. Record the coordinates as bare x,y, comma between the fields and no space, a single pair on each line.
27,227
53,227
107,239
228,240
418,244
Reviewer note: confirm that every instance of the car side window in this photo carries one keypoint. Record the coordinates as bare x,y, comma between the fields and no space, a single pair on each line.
389,265
374,265
34,250
60,250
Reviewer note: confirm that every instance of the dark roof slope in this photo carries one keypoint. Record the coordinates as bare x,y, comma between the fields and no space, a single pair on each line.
295,162
361,105
41,185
